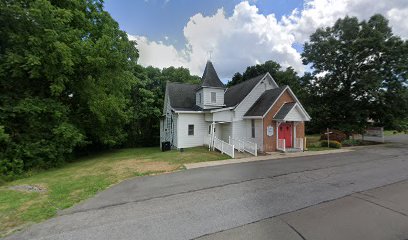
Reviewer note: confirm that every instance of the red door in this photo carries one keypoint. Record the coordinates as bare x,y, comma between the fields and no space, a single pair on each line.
285,132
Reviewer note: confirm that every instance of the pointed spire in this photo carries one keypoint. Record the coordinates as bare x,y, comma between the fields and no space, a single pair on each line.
210,77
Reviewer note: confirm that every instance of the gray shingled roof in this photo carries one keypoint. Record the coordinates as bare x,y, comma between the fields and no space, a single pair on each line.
235,94
182,96
264,102
285,109
210,77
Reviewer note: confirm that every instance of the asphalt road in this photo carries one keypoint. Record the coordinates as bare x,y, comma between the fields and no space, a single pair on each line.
208,201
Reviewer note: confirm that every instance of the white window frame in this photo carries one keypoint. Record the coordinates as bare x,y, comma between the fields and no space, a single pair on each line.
215,97
188,130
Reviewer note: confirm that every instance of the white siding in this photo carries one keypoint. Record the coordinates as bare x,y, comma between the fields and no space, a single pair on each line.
207,97
243,130
208,117
226,131
258,134
251,98
223,116
198,103
295,115
238,129
168,126
200,130
162,133
175,125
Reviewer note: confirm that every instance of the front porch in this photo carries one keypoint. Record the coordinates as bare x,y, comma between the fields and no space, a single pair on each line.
287,137
221,137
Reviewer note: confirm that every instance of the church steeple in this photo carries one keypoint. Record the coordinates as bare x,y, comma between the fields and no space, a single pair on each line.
210,92
210,77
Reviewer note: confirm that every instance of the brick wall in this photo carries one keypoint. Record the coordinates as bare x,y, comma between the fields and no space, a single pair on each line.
300,130
270,141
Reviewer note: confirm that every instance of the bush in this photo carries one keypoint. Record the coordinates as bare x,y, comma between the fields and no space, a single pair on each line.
42,139
332,144
335,135
351,142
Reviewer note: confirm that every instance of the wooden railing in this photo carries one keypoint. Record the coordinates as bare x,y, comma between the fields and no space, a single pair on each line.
238,144
281,145
242,145
224,147
251,147
299,143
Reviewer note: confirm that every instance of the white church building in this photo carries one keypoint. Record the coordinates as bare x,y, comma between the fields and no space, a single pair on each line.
255,115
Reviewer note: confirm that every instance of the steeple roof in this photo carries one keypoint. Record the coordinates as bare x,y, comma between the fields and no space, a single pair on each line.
210,77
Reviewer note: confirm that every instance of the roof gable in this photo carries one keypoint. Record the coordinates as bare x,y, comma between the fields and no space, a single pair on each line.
264,102
235,94
210,77
182,96
291,112
299,104
284,110
269,99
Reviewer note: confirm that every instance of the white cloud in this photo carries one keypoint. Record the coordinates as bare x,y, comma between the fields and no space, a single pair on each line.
158,54
320,13
248,37
237,41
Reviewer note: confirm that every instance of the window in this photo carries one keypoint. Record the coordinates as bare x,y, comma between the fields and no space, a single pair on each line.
191,130
253,128
209,129
199,98
213,97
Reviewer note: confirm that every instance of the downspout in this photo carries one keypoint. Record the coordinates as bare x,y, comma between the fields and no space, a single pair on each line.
172,129
277,134
263,134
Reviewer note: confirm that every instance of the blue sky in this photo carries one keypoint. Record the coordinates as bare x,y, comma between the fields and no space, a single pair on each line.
157,19
239,33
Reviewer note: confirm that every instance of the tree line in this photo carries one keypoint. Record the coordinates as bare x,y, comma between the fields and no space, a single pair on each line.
70,83
358,77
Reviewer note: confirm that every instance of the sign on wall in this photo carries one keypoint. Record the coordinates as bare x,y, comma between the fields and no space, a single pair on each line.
269,131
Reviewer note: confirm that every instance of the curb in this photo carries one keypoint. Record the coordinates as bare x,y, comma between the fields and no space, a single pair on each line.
264,158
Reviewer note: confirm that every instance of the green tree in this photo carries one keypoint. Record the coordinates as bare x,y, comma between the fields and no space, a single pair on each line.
359,72
147,102
65,80
287,76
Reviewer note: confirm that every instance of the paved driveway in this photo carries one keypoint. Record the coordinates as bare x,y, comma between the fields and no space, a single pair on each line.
200,202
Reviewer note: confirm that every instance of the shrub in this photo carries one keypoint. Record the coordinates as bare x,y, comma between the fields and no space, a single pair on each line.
332,144
335,135
351,142
312,144
43,139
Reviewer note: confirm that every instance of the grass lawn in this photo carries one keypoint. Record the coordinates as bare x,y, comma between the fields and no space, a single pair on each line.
392,133
313,143
315,138
319,148
82,179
